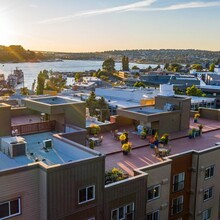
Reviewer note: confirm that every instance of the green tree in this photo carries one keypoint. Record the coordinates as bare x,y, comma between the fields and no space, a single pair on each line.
125,63
139,84
56,83
135,67
166,66
197,67
212,67
78,77
193,91
103,109
24,91
108,65
91,103
41,79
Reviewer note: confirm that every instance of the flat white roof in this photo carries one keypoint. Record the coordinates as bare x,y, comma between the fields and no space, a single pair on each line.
60,153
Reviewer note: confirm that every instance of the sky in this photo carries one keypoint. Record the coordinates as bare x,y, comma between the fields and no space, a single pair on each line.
100,25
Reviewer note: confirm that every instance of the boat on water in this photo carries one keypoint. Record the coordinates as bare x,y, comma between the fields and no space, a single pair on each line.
17,77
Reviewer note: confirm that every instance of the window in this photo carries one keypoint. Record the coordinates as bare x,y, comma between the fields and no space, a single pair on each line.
153,215
206,215
123,212
10,208
178,182
177,205
153,192
207,194
209,172
86,194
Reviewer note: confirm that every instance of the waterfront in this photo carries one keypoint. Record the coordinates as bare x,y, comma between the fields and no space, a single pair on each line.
31,70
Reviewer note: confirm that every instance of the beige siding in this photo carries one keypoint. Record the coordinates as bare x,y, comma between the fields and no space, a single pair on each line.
159,175
24,184
210,157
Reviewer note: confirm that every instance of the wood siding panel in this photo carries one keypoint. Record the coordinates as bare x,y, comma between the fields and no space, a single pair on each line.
64,183
24,184
132,190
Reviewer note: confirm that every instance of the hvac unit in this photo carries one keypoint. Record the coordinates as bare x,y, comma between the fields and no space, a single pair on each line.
47,144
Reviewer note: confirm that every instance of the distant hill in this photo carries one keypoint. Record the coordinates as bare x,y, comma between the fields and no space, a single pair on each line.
148,56
16,53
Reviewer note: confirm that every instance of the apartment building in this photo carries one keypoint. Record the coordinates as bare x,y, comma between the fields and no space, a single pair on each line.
47,173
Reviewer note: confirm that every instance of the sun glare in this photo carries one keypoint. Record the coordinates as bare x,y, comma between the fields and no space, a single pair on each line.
6,31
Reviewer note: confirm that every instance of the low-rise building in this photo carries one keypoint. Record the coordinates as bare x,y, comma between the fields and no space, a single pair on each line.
46,173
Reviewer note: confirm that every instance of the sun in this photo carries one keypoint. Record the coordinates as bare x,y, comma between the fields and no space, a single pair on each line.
6,31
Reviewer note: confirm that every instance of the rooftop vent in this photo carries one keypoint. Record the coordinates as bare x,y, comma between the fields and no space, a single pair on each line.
166,90
47,144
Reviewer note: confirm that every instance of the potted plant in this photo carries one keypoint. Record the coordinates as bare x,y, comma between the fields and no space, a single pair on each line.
196,116
91,144
194,132
94,129
190,134
143,135
200,128
126,148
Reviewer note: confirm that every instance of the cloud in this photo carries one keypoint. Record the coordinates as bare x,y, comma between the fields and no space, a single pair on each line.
123,8
182,6
138,6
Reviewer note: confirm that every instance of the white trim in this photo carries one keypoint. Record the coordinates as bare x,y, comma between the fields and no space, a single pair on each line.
19,208
209,168
86,200
207,192
153,188
124,207
152,213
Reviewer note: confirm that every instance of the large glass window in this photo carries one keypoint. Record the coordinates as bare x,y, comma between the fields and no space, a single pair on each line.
123,212
153,215
206,215
86,194
10,208
177,205
208,193
153,192
178,182
209,172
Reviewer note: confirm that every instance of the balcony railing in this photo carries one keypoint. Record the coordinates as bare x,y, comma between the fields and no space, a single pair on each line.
33,127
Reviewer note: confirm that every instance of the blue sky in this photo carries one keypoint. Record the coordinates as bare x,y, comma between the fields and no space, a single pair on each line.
98,25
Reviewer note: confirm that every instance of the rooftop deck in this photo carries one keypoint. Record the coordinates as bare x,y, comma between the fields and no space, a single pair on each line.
142,155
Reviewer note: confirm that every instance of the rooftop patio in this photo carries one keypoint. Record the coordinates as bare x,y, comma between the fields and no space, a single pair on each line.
142,155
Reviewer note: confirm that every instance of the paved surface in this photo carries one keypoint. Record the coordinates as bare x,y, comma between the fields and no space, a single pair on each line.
142,155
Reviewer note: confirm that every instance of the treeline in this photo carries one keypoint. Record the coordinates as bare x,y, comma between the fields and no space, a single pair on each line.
189,56
16,53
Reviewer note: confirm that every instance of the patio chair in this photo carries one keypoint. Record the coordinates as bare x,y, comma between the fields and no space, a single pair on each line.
99,142
168,151
157,152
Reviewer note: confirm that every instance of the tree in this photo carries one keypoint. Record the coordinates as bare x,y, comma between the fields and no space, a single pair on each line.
193,91
212,67
135,68
166,66
91,103
42,76
24,91
78,77
108,65
56,83
139,84
197,67
125,63
103,109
